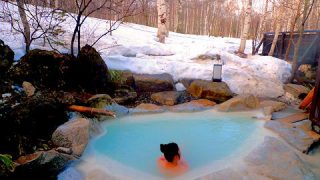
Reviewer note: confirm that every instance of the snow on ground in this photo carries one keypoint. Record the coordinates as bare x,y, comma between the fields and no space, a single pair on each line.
134,47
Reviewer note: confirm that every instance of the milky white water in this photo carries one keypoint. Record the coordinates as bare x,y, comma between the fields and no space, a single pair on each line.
208,140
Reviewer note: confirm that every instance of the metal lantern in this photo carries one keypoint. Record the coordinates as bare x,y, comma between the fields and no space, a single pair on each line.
217,72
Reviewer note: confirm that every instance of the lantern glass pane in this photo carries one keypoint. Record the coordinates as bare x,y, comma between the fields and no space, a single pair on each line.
217,70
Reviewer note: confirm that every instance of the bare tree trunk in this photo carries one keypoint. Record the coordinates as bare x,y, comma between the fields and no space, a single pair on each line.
162,20
145,12
263,21
278,19
293,24
56,4
246,27
206,20
167,18
25,23
295,64
276,35
180,28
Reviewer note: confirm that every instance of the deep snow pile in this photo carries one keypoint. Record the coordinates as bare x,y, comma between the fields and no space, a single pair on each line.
134,47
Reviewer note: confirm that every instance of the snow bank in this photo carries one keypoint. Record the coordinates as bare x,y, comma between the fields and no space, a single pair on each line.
134,47
133,51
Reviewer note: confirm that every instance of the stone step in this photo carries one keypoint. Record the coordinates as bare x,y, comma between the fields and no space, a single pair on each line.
294,118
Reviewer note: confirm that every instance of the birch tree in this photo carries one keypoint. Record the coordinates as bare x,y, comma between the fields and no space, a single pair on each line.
278,21
162,20
292,26
246,26
25,24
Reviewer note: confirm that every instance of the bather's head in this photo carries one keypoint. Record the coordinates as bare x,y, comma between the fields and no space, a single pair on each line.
170,151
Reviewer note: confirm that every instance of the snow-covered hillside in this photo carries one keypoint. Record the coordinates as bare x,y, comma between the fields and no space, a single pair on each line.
134,47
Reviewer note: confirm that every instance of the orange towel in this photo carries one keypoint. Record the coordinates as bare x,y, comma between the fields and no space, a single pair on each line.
308,100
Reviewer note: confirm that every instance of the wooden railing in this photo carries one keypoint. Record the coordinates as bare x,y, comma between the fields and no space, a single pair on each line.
309,48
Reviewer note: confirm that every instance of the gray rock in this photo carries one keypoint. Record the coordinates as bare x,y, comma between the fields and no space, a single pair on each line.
99,100
153,82
73,134
180,87
305,125
117,109
44,162
275,160
294,136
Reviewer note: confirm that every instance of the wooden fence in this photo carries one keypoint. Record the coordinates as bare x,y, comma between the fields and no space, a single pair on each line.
309,50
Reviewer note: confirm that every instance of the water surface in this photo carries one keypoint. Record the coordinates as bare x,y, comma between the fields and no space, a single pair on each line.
130,145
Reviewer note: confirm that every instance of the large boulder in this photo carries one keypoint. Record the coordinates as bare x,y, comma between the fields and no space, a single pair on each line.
273,159
293,135
92,71
27,126
194,105
73,134
41,68
6,58
216,91
122,79
296,90
153,82
276,160
240,102
41,165
168,98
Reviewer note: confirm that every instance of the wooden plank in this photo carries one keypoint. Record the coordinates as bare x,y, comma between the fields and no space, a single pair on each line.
294,118
90,110
307,100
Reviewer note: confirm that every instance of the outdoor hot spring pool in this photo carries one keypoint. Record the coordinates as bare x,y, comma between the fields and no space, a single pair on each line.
208,141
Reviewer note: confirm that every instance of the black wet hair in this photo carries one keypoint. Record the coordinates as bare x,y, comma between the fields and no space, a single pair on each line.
169,151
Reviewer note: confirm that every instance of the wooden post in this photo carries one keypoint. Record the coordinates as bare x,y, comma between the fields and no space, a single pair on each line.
315,106
282,50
